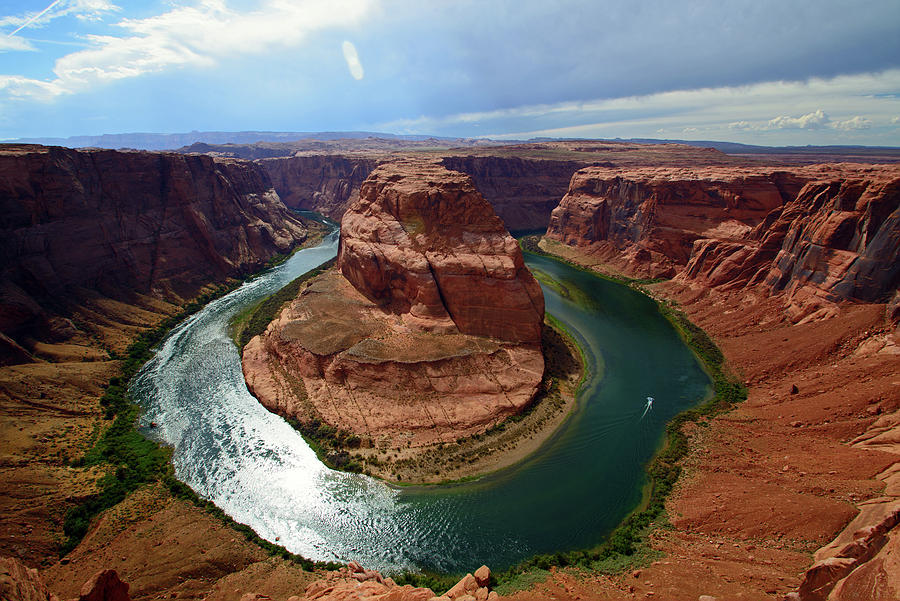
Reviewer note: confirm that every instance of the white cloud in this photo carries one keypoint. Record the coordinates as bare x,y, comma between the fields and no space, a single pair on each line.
14,43
856,122
197,35
814,120
827,107
85,10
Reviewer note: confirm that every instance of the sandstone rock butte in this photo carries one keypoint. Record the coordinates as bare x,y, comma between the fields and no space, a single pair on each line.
423,243
430,331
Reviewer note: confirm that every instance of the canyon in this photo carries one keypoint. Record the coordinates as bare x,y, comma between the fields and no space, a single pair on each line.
792,270
85,227
429,329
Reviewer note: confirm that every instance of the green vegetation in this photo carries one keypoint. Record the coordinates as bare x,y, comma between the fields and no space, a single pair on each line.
131,460
254,320
331,444
626,546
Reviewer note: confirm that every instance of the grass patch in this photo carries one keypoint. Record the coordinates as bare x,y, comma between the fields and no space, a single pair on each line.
627,546
255,319
134,460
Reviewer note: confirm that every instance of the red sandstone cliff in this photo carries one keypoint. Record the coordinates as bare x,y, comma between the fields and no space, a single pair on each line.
820,234
327,184
423,243
838,239
430,331
650,217
120,223
522,191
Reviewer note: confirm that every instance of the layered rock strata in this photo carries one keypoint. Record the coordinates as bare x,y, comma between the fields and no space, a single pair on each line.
327,184
522,191
429,331
819,234
120,223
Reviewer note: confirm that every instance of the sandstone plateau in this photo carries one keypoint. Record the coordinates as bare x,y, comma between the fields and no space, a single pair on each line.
88,223
429,330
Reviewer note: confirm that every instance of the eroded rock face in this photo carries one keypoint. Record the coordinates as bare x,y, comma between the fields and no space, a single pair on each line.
523,192
423,243
21,583
818,235
838,239
650,217
430,330
327,184
125,222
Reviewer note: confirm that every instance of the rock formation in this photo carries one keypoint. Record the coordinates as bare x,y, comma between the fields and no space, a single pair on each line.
354,583
20,583
819,234
327,184
838,239
120,223
423,243
430,331
522,191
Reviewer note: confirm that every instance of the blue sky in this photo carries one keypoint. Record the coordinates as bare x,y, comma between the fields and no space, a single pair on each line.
753,71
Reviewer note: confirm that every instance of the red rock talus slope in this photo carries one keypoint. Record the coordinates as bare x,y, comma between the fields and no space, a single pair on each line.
429,331
120,223
327,184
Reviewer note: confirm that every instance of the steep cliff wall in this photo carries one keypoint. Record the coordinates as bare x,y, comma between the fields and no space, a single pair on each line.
127,222
522,191
326,183
838,239
429,331
819,234
646,219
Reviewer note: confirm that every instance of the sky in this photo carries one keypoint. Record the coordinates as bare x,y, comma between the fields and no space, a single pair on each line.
769,72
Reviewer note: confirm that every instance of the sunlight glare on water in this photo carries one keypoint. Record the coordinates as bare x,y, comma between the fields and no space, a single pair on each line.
580,484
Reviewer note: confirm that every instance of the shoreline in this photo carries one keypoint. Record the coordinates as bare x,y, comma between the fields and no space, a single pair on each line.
500,446
628,544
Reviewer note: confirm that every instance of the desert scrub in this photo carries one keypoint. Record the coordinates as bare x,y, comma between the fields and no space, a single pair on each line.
131,460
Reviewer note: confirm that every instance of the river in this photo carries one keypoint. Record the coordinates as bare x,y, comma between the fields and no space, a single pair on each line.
576,488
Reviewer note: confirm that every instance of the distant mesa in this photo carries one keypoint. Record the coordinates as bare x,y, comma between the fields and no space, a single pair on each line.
429,329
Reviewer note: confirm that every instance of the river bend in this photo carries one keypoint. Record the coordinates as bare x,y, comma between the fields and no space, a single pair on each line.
576,488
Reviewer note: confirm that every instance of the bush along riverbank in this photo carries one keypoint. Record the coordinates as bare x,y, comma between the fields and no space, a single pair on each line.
627,545
131,460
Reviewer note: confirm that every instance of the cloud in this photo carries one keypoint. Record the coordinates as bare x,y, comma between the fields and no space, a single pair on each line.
85,10
841,104
197,35
856,122
814,120
352,58
14,43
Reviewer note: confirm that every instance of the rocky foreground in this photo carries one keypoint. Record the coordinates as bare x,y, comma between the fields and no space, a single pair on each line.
352,583
429,330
